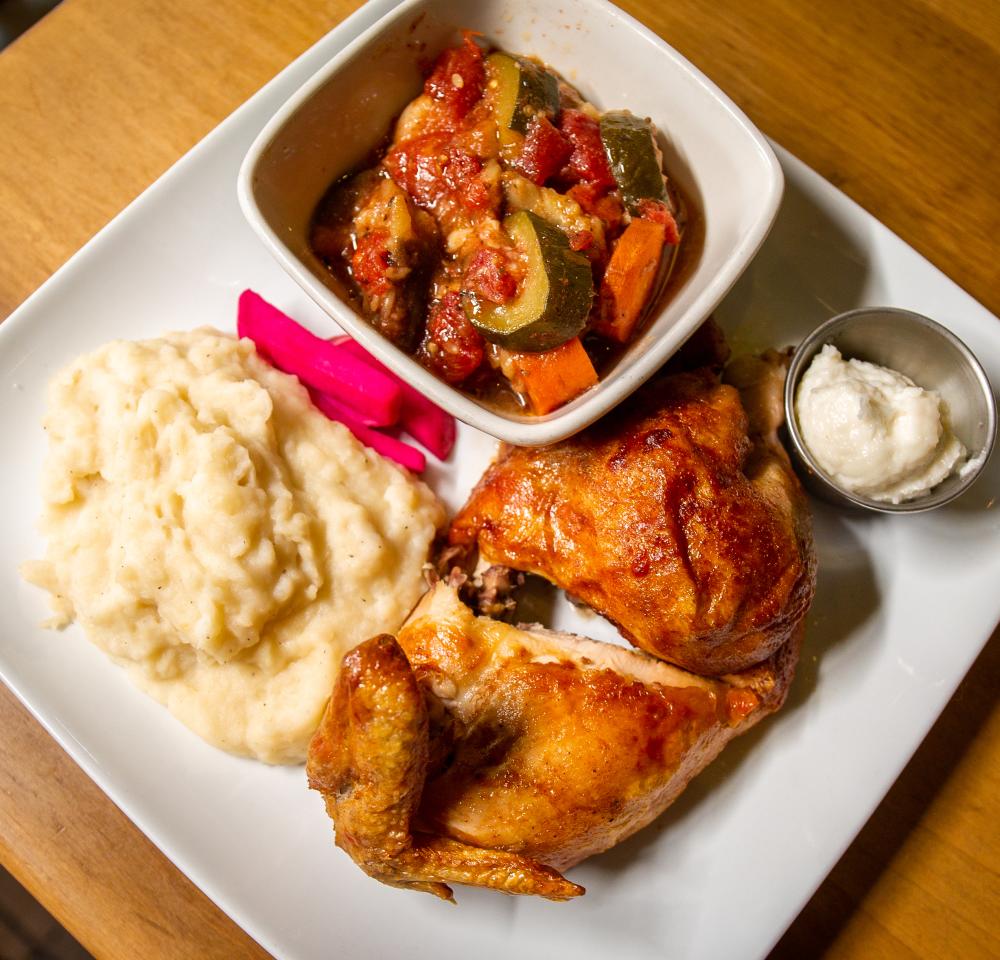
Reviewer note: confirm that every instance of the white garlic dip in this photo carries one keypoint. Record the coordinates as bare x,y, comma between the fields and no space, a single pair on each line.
873,430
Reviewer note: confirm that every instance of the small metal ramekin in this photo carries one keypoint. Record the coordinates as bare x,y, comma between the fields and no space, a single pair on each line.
932,357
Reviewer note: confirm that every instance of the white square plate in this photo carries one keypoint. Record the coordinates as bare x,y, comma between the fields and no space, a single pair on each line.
904,605
715,156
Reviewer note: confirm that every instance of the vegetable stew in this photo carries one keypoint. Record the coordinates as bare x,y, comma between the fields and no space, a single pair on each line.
509,235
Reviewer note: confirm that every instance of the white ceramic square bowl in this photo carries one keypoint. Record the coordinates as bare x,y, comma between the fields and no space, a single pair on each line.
724,168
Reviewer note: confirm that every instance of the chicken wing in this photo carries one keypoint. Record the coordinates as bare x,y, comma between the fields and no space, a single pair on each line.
476,752
677,517
369,759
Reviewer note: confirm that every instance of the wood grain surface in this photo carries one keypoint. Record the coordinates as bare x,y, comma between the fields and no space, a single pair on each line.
897,102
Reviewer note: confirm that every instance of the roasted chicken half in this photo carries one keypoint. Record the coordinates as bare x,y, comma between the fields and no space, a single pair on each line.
677,517
471,751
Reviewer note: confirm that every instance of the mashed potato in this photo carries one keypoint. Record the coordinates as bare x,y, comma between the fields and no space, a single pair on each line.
221,539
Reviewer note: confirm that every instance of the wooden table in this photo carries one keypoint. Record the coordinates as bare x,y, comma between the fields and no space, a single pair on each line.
897,102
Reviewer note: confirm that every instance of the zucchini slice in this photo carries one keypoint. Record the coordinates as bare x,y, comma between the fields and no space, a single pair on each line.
524,90
553,303
634,158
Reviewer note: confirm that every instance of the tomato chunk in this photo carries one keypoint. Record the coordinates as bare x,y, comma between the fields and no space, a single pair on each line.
657,212
594,199
544,151
488,276
371,262
458,77
461,174
588,162
430,166
418,167
454,348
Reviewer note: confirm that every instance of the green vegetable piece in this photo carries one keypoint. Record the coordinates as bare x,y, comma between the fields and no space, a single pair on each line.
553,303
525,91
633,157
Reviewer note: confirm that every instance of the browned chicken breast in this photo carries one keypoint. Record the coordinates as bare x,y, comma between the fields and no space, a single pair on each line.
470,751
677,517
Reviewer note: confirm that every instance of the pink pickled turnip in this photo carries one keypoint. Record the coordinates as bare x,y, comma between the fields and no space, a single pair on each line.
382,443
420,417
372,393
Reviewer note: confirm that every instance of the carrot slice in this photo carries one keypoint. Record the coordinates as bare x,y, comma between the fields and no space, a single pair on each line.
629,278
552,378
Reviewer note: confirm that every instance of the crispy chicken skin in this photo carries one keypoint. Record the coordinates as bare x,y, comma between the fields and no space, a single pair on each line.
677,517
475,752
369,759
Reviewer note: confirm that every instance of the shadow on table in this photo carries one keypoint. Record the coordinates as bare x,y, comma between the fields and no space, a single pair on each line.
16,16
27,931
